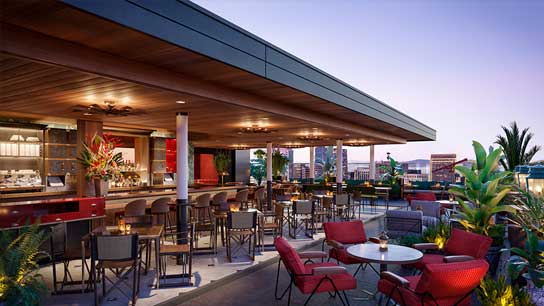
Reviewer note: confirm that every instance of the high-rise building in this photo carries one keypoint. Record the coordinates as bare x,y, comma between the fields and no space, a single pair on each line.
361,174
321,158
417,170
441,167
301,171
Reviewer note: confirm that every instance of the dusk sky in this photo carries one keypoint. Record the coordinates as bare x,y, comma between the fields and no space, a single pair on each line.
463,68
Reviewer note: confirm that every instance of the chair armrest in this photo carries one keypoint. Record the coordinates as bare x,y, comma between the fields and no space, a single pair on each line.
374,239
425,246
335,244
329,270
457,258
312,254
395,279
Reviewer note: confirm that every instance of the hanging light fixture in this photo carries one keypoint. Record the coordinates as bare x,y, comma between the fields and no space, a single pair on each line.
255,129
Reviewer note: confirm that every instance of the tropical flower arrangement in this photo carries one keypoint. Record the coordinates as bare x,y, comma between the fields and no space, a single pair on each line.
99,158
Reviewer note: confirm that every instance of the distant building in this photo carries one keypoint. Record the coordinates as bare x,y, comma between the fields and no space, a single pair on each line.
361,174
416,170
301,171
441,167
321,156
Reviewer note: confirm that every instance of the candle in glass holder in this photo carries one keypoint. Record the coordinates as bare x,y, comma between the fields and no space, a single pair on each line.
127,228
451,198
383,241
234,207
121,226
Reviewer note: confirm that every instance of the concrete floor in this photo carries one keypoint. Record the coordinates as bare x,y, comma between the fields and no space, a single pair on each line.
211,271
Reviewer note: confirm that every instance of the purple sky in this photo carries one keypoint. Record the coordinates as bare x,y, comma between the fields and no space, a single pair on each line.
462,67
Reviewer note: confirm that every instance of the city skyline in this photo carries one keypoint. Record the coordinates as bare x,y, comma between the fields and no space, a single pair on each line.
443,63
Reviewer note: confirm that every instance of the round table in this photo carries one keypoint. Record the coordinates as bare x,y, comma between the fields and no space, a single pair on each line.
395,254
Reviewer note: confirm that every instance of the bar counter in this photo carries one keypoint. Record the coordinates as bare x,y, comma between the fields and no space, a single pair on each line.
38,203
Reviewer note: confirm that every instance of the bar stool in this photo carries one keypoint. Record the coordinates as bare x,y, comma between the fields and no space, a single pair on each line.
160,208
241,197
135,212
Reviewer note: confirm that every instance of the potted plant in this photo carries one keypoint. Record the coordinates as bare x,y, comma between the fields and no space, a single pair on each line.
484,189
258,166
279,163
222,162
530,262
20,284
497,292
100,161
392,175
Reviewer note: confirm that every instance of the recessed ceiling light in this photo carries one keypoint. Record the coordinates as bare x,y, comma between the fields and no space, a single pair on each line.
87,114
180,102
314,128
264,118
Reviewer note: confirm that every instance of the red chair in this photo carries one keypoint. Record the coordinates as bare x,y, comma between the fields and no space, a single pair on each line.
422,196
312,278
339,235
460,243
444,284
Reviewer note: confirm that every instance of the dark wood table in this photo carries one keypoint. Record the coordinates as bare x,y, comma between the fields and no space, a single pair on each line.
145,233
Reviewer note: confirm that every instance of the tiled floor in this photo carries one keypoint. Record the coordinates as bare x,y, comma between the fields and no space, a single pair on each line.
207,269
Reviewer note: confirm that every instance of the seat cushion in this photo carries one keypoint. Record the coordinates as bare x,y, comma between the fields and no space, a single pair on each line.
306,284
428,259
174,249
410,298
342,256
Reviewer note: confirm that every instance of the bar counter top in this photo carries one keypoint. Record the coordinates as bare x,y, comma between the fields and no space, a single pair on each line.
114,198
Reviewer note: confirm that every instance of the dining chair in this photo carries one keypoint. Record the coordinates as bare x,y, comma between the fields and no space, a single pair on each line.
340,235
430,210
260,198
402,222
241,229
201,214
302,217
369,197
61,252
271,222
118,254
342,206
357,201
183,253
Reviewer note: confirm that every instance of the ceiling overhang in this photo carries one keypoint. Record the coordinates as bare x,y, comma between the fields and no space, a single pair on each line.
56,39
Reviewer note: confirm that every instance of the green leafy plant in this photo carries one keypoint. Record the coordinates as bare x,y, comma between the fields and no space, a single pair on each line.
20,284
408,240
279,162
221,161
258,166
531,212
392,172
498,293
438,234
99,158
485,188
532,260
515,145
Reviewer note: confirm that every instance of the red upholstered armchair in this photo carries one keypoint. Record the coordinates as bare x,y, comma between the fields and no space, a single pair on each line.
339,235
460,243
444,284
312,278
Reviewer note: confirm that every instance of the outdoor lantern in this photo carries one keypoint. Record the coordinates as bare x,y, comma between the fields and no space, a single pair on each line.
521,176
451,197
383,241
535,180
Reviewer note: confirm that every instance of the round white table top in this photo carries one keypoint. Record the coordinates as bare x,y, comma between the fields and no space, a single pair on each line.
395,254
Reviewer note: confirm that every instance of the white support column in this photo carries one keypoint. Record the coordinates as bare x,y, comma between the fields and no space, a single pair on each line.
312,164
339,172
182,175
269,173
372,164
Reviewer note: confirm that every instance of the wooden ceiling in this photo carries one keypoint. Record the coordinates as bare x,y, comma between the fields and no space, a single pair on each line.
34,90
